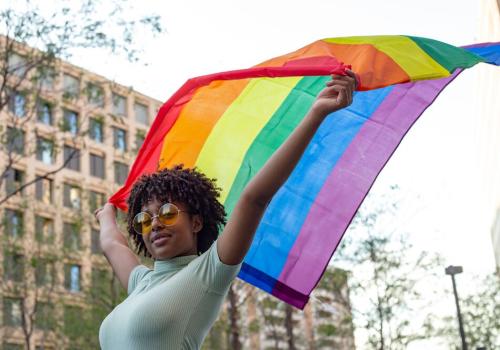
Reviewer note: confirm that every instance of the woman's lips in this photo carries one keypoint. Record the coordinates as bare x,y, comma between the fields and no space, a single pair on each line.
161,241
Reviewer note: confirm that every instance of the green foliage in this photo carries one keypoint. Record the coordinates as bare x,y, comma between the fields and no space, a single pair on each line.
327,330
217,336
72,321
387,272
45,317
481,316
254,326
84,24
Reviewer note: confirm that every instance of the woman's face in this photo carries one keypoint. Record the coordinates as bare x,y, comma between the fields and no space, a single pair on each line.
165,242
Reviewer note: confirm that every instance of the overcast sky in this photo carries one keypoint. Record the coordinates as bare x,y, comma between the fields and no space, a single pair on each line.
204,37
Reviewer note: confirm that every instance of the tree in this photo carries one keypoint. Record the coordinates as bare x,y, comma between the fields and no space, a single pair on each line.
32,47
229,326
29,282
272,319
289,327
481,316
333,312
33,44
386,277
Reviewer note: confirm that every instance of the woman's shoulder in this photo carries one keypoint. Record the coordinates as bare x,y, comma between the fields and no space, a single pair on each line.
215,274
137,274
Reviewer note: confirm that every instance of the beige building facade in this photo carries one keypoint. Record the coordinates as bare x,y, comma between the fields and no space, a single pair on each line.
81,135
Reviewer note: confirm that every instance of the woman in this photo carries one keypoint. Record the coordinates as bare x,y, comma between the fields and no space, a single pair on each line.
174,217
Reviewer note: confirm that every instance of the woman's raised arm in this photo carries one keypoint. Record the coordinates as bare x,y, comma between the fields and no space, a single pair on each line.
114,245
237,236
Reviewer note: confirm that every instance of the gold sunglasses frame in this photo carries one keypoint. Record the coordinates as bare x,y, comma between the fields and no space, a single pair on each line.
158,216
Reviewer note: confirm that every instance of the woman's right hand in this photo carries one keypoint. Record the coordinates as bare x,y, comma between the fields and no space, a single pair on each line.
107,211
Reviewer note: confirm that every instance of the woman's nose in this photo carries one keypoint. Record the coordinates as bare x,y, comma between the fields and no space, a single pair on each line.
156,222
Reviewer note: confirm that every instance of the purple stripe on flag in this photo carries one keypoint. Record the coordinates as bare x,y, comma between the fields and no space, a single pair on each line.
492,43
352,178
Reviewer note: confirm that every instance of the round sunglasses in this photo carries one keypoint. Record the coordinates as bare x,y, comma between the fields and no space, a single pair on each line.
167,215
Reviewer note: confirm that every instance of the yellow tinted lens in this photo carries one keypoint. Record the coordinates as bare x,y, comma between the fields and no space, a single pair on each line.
142,223
168,214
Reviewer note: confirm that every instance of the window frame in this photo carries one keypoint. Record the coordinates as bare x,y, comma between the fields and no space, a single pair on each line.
75,161
117,164
116,139
95,169
68,125
67,201
137,106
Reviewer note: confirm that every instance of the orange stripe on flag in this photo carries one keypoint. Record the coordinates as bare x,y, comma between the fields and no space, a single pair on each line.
376,68
188,135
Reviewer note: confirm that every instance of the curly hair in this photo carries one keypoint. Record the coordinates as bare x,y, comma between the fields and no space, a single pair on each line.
188,186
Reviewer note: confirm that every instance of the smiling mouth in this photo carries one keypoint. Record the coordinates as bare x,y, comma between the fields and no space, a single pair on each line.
161,239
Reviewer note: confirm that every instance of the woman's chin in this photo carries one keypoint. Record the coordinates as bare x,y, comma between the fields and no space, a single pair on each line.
162,253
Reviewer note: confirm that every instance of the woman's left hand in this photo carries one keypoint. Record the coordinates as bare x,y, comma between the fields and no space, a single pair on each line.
337,94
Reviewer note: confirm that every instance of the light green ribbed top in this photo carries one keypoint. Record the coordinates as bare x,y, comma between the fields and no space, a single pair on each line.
172,306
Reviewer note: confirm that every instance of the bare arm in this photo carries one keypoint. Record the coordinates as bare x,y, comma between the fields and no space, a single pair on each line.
114,245
238,234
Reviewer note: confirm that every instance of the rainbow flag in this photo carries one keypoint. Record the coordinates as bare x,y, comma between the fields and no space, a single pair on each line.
228,124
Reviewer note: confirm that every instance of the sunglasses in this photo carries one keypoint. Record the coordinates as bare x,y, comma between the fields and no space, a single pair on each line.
167,215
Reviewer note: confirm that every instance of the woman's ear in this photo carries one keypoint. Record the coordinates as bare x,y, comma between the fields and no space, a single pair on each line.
197,223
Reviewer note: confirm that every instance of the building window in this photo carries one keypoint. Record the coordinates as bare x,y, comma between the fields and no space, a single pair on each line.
44,230
141,113
97,166
121,172
45,150
13,267
44,273
46,77
71,236
72,196
96,245
96,130
71,158
44,318
12,312
70,121
15,140
14,180
16,65
99,278
11,346
71,86
96,200
43,347
120,139
72,277
139,139
44,112
119,105
95,95
17,104
14,223
72,321
44,189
